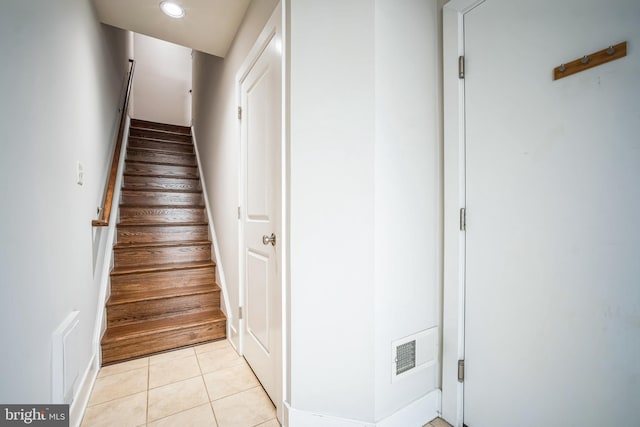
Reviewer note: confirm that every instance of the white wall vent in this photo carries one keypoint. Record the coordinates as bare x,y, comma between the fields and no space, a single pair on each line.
405,357
414,353
65,352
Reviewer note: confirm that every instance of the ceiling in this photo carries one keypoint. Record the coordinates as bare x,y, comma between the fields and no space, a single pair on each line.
208,25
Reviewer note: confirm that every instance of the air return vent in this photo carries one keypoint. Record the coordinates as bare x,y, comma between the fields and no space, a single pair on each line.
405,357
411,354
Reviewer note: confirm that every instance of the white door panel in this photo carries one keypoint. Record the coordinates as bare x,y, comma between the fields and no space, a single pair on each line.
552,317
257,298
261,138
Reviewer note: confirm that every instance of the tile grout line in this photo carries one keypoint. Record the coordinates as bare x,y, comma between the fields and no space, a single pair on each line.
146,417
206,388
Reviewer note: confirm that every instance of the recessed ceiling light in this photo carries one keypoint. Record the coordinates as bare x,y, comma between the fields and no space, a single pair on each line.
172,9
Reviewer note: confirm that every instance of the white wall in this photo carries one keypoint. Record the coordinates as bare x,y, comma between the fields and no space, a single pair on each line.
365,204
162,81
60,84
216,129
407,195
332,146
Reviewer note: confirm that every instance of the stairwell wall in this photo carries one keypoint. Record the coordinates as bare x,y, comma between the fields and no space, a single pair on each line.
162,81
62,76
216,133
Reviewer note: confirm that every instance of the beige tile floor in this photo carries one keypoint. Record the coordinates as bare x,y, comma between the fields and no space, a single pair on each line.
207,385
438,422
203,386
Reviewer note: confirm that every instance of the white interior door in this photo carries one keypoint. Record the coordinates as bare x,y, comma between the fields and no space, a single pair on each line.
552,327
261,124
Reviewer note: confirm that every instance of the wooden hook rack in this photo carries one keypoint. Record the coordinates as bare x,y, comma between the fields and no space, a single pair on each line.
592,60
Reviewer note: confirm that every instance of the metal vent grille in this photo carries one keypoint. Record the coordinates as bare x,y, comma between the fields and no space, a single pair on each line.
405,357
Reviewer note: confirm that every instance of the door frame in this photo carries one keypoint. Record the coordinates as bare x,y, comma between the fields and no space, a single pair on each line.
454,199
274,27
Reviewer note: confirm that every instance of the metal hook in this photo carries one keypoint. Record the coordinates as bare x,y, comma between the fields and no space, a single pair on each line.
611,50
562,68
585,59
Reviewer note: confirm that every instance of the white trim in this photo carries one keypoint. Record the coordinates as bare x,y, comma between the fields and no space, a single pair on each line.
416,414
214,238
81,399
273,28
110,240
299,418
454,199
283,410
58,355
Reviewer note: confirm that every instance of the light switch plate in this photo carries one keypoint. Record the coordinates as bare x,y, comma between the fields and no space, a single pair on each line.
79,174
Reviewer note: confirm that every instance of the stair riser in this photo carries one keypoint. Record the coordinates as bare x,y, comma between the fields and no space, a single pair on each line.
151,156
160,280
152,256
160,145
185,130
154,134
139,198
121,314
155,183
146,169
141,346
155,234
131,215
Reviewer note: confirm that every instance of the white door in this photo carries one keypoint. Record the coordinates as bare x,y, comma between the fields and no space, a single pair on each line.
552,326
261,130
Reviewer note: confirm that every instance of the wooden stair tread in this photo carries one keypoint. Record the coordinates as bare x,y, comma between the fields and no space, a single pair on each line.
161,190
149,327
162,224
163,163
161,176
137,132
193,178
148,124
125,205
155,294
164,141
161,151
162,267
162,244
133,163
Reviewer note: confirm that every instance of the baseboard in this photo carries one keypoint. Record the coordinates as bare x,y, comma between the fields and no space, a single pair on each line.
298,418
81,399
416,414
214,238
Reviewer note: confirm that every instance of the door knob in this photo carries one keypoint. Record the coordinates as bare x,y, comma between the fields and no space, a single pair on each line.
269,239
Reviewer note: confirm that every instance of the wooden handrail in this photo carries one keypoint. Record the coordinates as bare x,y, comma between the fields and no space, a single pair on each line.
103,221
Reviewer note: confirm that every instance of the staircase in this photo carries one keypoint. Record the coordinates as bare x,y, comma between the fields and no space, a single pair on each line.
163,290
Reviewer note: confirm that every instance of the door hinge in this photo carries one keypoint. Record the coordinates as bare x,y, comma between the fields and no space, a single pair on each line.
239,113
463,219
240,313
461,370
239,216
461,66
